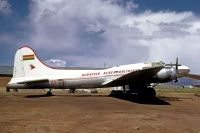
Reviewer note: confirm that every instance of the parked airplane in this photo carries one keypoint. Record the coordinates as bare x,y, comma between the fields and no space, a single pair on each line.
29,72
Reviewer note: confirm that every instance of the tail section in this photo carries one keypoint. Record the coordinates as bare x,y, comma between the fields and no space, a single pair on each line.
27,64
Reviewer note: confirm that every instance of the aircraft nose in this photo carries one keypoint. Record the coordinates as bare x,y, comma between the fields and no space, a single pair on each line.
184,70
187,70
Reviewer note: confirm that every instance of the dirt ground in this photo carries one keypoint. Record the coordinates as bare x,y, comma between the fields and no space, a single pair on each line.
34,112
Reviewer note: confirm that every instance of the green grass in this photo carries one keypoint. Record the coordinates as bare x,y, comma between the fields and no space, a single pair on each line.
177,89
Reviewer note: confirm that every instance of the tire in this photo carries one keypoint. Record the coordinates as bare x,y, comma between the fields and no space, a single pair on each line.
49,93
148,92
7,89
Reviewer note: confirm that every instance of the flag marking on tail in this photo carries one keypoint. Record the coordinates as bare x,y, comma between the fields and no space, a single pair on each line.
28,57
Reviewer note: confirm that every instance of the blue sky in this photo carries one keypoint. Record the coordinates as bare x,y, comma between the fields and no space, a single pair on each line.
112,31
174,5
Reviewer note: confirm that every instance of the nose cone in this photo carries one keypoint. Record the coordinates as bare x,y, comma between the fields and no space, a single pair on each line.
183,69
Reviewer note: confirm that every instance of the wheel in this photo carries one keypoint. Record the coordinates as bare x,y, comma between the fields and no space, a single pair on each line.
151,92
49,93
148,92
7,89
16,90
72,90
142,90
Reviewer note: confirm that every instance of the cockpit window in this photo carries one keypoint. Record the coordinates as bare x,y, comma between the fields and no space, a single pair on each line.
155,64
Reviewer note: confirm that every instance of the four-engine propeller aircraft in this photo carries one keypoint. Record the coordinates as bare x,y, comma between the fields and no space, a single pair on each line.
29,72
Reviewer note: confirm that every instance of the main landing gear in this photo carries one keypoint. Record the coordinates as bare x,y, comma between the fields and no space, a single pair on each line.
72,90
7,89
144,90
49,93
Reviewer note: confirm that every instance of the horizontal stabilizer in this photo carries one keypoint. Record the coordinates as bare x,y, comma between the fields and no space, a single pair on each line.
32,81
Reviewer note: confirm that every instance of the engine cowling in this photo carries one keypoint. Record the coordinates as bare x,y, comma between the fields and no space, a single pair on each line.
166,74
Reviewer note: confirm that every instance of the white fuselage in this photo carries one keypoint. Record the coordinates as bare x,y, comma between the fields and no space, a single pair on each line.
61,78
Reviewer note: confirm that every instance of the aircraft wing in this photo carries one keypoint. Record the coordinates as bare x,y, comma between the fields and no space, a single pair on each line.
194,76
144,75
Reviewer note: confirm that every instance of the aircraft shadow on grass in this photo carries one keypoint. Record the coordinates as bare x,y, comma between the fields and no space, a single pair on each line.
143,100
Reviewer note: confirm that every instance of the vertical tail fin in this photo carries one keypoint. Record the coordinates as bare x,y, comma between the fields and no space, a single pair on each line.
27,64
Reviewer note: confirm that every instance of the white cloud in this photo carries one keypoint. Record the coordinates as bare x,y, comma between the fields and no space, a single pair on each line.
89,33
5,7
56,63
130,5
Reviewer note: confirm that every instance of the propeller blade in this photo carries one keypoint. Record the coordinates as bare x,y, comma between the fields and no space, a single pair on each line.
177,64
176,79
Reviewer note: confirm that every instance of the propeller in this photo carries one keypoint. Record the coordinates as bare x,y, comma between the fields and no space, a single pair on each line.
176,78
171,66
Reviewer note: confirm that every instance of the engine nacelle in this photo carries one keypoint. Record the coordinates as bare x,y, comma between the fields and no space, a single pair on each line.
166,74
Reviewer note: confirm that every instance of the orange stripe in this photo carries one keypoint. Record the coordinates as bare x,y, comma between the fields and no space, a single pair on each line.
28,57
